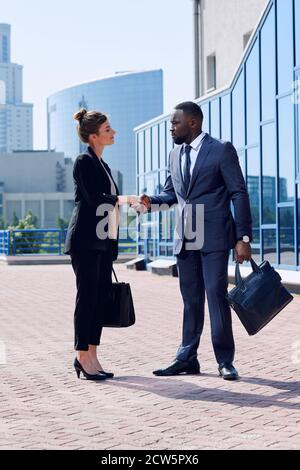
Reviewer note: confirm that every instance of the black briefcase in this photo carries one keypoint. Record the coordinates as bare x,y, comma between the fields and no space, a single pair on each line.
259,297
119,312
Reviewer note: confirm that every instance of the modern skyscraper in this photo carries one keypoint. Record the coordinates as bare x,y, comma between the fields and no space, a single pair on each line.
16,128
128,98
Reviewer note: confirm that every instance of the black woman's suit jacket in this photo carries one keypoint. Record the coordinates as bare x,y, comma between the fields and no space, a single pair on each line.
92,187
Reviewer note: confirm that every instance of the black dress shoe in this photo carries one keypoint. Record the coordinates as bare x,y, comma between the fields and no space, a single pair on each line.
228,372
179,367
108,375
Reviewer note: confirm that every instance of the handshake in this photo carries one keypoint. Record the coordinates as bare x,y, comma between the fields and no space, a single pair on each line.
140,204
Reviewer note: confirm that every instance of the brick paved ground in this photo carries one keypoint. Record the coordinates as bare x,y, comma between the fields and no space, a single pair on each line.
44,406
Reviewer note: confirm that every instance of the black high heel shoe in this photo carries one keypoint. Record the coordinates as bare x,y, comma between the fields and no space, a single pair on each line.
78,367
108,375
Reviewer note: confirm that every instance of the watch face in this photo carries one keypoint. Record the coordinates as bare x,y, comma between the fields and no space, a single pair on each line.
246,239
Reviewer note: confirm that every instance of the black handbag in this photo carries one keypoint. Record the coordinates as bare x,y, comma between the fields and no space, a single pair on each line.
259,297
119,312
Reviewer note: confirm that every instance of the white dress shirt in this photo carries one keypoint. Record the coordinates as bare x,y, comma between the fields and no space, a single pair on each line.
196,146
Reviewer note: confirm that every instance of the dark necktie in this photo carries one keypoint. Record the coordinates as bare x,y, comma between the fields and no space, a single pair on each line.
187,168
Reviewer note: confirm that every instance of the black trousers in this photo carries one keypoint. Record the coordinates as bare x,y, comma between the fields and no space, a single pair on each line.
93,271
199,273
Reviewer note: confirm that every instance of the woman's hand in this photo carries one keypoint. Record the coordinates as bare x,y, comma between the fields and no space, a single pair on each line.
128,200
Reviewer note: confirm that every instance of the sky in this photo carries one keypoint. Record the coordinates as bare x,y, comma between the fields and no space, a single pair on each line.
64,42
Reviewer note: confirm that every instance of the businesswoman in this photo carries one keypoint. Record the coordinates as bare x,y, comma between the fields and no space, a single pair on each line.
92,239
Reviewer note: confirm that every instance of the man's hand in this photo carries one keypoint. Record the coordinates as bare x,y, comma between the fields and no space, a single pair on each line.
242,252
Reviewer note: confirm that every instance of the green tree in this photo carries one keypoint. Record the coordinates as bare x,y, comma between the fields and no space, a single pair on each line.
27,240
61,223
15,221
3,224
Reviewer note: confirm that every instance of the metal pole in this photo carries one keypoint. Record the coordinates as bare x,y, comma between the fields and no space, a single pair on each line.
198,59
196,48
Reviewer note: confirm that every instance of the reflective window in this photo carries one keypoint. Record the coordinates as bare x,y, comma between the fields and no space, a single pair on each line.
269,246
5,49
268,67
286,149
253,184
297,109
269,173
285,58
162,145
297,31
225,118
242,161
141,152
155,151
298,228
148,150
286,235
169,140
205,110
252,96
141,185
238,113
215,119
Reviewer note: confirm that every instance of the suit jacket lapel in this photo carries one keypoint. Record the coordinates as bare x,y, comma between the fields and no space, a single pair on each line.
99,167
201,157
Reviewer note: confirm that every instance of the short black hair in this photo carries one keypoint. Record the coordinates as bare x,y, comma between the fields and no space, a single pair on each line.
191,109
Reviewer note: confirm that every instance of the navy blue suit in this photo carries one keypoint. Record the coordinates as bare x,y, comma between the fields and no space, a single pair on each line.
216,181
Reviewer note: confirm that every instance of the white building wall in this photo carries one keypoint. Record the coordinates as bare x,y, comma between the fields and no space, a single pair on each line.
225,22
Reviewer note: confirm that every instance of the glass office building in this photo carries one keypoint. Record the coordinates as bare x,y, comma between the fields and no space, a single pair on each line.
260,114
128,98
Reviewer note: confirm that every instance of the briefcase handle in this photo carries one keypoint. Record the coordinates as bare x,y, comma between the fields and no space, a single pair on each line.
238,278
115,275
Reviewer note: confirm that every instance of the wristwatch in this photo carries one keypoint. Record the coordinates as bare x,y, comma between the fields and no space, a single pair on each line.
245,239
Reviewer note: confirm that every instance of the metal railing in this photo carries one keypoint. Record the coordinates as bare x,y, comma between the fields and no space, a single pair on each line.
4,242
48,242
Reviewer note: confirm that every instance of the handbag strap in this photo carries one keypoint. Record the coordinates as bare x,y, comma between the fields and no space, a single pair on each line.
238,278
115,274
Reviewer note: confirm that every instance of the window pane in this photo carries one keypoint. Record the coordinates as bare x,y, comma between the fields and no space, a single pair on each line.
297,106
225,118
269,174
242,161
252,96
238,113
148,150
141,152
286,150
162,145
205,110
169,139
268,67
285,46
297,31
155,161
298,224
215,118
269,245
253,183
286,233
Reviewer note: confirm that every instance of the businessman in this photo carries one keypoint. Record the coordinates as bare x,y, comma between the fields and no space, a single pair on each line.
204,172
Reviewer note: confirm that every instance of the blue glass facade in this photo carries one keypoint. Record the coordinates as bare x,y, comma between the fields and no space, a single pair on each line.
128,98
260,114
